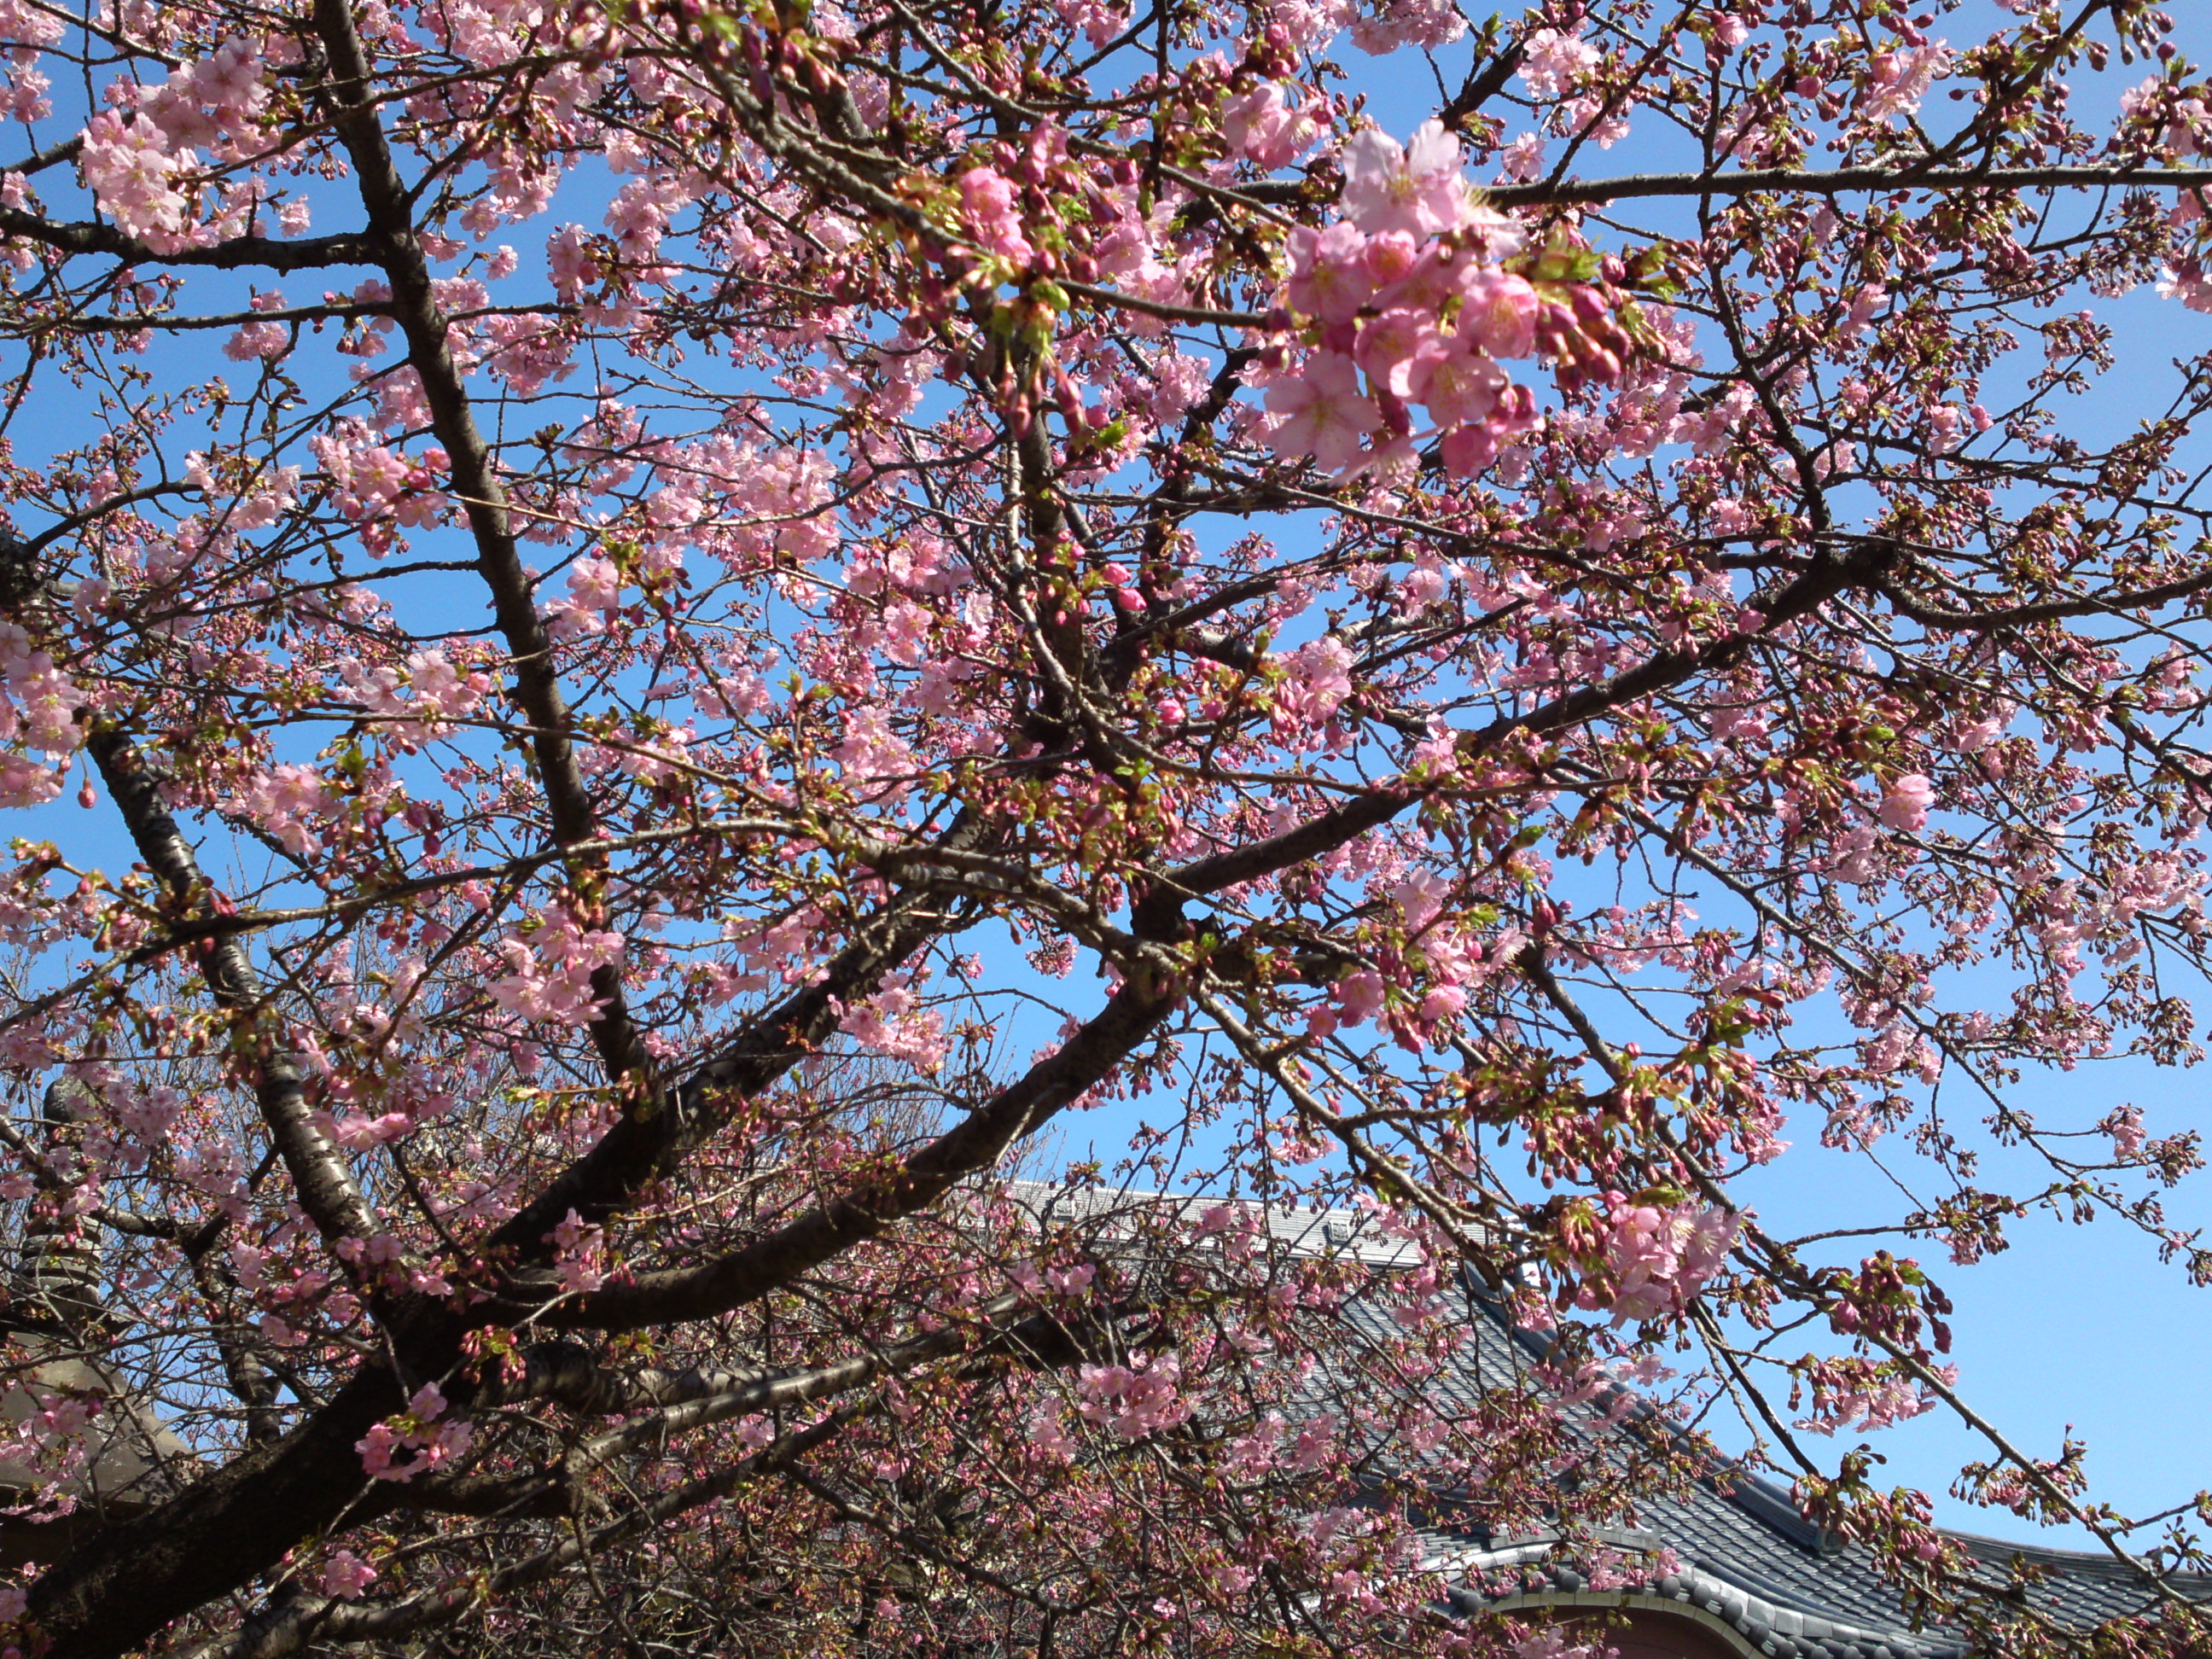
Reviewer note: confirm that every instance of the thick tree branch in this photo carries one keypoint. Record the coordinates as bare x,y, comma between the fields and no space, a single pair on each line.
320,1176
238,254
1155,914
477,482
977,1143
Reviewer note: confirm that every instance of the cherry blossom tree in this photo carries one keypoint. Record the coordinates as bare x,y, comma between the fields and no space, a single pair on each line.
651,646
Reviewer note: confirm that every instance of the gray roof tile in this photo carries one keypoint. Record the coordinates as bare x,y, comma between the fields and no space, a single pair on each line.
1747,1554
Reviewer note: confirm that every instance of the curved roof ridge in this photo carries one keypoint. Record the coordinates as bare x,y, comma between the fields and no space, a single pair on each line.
2067,1558
1750,1561
1779,1622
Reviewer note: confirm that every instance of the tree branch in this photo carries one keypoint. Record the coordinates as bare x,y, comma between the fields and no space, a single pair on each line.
1132,1014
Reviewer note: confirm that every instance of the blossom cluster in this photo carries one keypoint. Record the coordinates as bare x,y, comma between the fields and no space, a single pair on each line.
426,692
1864,1396
550,962
418,1430
1133,1400
1408,304
578,1253
39,706
1657,1258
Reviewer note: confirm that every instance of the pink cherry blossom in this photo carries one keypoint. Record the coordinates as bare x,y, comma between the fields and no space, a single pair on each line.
551,966
1905,801
896,1021
1133,1401
1901,80
1329,276
1551,62
1360,996
346,1576
418,1430
1324,413
990,204
1658,1259
577,1251
1498,314
130,167
1399,349
1457,387
1417,189
1266,128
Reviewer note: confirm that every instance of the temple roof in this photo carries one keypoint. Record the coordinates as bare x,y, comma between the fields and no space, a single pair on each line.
1748,1559
54,1339
134,1459
1786,1598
